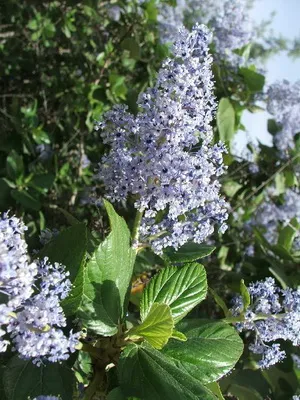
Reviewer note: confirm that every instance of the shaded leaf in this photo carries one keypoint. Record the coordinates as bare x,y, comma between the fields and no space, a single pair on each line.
26,200
105,281
147,373
22,379
188,252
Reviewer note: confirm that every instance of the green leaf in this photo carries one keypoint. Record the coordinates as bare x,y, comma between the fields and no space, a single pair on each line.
4,194
44,181
116,394
215,388
246,384
178,336
69,248
244,393
288,234
281,252
132,46
279,274
245,294
221,303
188,252
253,80
22,380
14,165
26,200
180,288
148,374
283,383
226,120
157,327
33,24
106,280
273,127
212,349
280,183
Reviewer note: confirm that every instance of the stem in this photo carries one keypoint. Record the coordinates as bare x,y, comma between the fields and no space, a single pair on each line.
95,385
136,227
258,317
265,183
231,320
94,351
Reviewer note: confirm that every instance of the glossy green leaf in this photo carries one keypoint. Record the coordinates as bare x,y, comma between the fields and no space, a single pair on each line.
148,374
23,380
180,288
212,349
157,327
103,284
226,120
188,252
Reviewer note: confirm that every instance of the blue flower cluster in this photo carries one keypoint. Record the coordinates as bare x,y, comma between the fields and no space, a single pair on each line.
232,30
170,18
283,102
164,156
273,314
270,214
228,19
31,314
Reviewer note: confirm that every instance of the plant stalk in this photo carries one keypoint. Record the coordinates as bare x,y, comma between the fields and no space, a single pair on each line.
136,227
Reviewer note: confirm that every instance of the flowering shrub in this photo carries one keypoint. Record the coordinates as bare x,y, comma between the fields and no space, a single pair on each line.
140,257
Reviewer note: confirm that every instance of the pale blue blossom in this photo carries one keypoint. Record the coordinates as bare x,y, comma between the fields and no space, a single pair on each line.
273,314
31,316
164,157
283,102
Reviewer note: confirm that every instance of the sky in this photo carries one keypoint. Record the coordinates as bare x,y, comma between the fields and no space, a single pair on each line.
285,22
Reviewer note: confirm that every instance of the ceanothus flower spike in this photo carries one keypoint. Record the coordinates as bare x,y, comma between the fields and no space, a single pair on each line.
164,156
272,315
283,102
31,315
